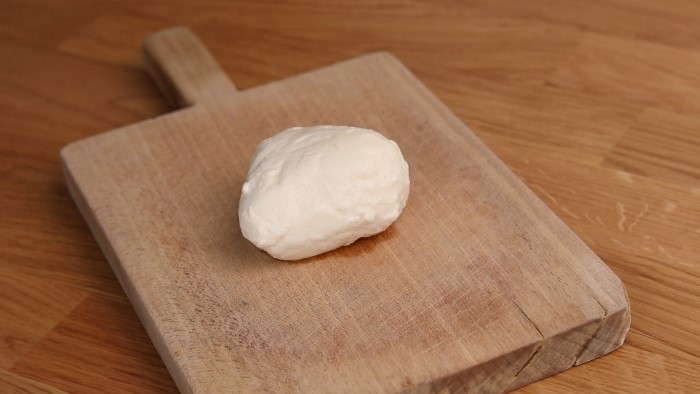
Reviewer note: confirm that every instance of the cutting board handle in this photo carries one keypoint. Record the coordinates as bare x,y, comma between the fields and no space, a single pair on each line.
183,68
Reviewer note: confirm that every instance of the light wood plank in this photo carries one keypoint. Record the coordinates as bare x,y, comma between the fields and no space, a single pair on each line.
640,72
670,24
29,310
12,383
536,119
101,347
662,145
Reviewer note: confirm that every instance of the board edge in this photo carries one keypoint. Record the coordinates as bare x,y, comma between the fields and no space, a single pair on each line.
113,260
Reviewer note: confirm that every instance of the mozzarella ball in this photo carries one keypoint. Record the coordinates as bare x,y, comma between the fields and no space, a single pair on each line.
313,189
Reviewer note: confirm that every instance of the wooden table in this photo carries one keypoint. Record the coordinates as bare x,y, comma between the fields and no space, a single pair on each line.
595,105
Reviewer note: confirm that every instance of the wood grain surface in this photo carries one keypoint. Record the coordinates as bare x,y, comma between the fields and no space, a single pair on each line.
592,104
479,286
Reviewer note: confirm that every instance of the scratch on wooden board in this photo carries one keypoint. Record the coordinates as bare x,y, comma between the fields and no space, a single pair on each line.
621,211
618,242
545,193
567,211
600,221
672,257
639,216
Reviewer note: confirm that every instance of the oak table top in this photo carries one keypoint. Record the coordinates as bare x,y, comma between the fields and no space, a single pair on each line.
593,105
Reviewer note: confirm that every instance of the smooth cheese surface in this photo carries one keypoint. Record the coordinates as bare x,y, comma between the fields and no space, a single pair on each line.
310,190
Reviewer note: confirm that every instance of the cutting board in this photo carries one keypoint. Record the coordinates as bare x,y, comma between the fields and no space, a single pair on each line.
477,287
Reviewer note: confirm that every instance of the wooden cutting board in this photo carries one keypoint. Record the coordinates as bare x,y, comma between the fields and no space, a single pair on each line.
478,285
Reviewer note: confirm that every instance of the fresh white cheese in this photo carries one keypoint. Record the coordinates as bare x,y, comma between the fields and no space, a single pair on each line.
314,189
